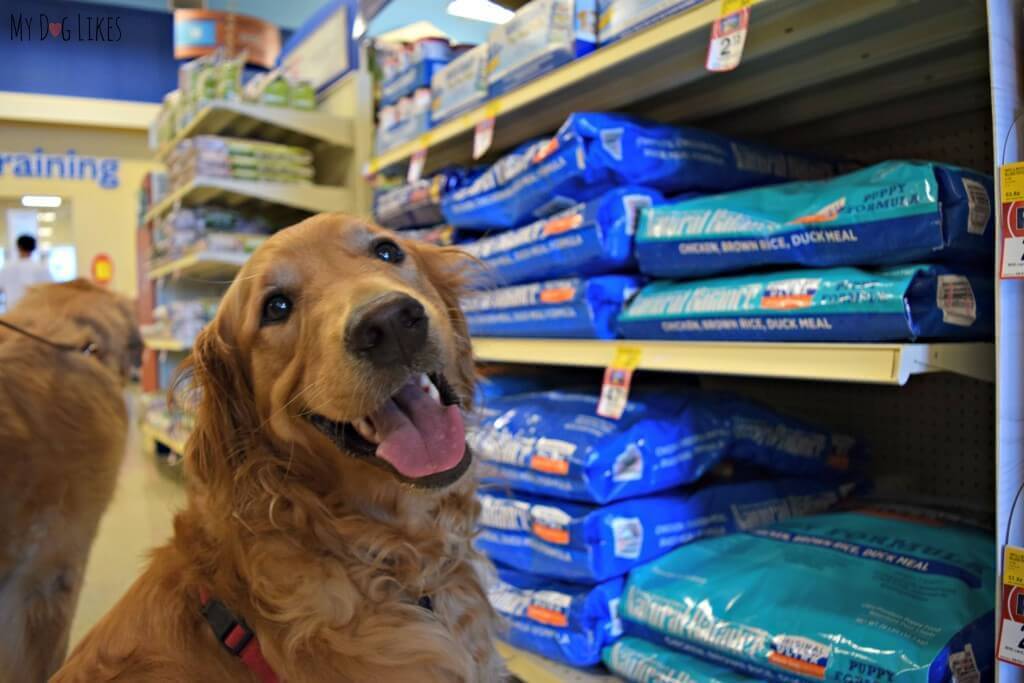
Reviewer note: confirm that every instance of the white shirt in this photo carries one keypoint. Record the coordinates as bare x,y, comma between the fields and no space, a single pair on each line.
18,275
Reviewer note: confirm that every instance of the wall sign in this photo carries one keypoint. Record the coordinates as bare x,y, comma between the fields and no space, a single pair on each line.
66,166
102,269
199,32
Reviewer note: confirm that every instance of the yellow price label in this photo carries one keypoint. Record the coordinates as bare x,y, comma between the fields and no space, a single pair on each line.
1011,182
1013,566
734,6
626,357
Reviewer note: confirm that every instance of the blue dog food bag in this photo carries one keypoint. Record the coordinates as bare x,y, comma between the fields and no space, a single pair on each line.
543,35
553,443
593,153
839,304
565,622
639,661
587,239
571,308
893,212
587,543
874,594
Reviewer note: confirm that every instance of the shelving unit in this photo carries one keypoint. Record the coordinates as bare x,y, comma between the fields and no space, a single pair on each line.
253,195
263,122
533,669
866,363
165,344
176,446
202,265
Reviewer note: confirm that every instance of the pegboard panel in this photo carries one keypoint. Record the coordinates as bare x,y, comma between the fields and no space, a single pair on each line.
964,139
937,432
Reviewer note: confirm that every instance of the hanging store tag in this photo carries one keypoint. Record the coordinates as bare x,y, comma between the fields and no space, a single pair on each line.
1011,194
728,36
1011,610
617,379
483,136
416,163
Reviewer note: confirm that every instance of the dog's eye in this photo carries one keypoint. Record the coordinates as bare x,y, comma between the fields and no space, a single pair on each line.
276,309
388,251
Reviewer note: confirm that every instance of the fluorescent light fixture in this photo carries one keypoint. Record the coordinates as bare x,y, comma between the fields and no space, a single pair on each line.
46,216
480,10
44,232
45,246
41,201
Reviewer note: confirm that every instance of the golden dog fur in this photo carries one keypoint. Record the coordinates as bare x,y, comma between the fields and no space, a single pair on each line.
322,554
63,423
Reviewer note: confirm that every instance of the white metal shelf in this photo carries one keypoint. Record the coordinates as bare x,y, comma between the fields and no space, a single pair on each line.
204,265
531,668
262,122
866,363
235,193
783,55
165,344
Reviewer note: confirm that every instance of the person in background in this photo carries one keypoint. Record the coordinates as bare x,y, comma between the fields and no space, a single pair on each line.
22,272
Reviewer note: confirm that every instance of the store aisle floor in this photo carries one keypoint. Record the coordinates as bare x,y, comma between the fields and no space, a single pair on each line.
139,518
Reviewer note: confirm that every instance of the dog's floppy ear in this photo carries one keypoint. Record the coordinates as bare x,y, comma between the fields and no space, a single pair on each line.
226,418
451,271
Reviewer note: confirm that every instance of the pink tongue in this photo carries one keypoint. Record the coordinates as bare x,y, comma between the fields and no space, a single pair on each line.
418,435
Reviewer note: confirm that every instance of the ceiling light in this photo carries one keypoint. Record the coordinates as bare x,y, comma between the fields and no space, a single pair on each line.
44,232
45,246
41,201
46,216
480,10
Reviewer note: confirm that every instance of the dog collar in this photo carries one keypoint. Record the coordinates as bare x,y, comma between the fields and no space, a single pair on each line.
234,634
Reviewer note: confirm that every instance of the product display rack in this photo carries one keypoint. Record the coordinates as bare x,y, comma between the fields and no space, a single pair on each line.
871,81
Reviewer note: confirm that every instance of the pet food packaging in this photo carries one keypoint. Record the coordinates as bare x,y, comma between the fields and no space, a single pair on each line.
593,153
585,543
542,36
572,308
404,121
423,61
590,238
639,661
461,84
619,18
903,303
891,213
553,443
566,622
438,235
881,593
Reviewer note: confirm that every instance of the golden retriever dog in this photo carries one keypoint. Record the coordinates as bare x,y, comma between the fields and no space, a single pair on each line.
63,422
330,508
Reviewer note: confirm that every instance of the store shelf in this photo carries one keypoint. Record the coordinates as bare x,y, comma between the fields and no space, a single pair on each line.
237,193
793,45
533,669
866,363
176,446
203,265
262,122
165,344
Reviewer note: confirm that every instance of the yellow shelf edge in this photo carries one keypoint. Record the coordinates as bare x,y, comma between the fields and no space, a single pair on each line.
159,435
185,263
165,344
310,198
531,668
326,128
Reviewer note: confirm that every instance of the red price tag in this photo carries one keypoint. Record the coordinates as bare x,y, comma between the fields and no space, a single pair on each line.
728,36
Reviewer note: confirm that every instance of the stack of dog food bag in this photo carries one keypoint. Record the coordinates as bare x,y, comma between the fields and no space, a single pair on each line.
415,207
558,216
572,502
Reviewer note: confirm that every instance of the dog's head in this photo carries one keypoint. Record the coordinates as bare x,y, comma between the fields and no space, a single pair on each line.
82,314
338,343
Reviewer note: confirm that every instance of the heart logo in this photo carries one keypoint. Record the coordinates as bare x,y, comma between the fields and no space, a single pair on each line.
55,27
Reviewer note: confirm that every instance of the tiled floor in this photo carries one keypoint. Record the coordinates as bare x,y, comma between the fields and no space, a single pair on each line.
139,518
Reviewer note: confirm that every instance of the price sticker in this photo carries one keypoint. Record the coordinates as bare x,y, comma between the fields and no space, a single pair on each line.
1011,191
617,379
416,163
728,36
1011,618
483,136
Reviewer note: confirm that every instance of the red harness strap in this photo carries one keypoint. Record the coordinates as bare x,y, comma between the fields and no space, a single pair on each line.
237,638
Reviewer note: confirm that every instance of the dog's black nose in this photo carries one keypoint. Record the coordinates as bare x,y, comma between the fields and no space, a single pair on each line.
390,332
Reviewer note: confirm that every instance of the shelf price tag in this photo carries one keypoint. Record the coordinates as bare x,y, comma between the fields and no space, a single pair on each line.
1011,617
483,133
617,379
416,163
1011,191
729,35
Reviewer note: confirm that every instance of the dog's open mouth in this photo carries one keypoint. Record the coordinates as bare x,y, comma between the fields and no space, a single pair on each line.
418,433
